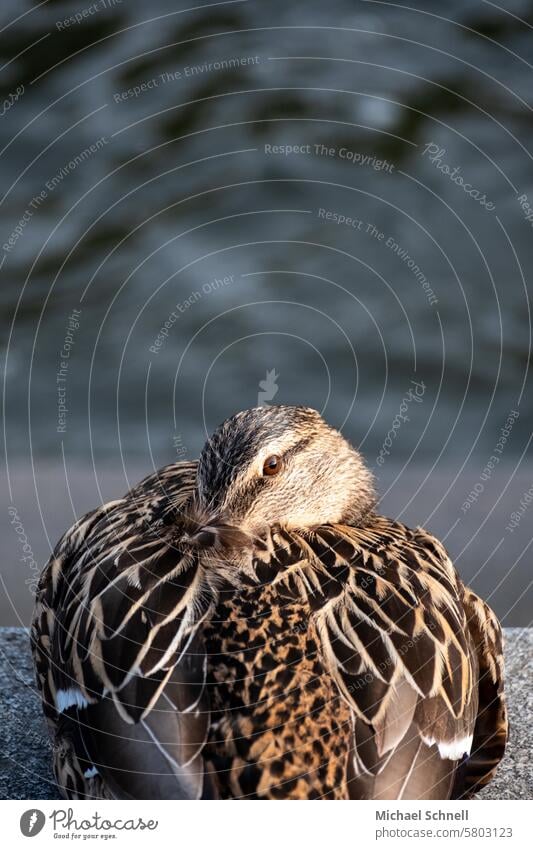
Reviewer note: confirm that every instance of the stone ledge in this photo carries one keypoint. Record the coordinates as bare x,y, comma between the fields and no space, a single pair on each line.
25,754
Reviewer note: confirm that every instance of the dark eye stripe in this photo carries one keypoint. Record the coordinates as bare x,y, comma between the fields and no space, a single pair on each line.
298,447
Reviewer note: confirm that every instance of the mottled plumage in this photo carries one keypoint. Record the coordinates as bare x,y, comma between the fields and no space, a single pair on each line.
218,633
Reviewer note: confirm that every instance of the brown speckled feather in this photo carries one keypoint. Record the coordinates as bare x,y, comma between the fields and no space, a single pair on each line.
341,661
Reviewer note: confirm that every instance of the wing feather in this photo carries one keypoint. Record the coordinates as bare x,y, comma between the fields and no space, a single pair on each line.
397,644
491,723
118,661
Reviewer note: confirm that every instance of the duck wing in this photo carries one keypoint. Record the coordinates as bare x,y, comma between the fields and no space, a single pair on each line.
393,635
491,728
118,661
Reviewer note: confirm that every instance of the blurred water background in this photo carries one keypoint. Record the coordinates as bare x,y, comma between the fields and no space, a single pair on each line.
269,202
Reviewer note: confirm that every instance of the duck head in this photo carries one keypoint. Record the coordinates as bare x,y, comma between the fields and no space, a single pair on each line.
277,465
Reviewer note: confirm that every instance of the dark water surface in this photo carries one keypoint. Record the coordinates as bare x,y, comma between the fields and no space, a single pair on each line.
308,202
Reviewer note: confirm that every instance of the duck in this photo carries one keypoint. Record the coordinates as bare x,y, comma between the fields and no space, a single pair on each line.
248,626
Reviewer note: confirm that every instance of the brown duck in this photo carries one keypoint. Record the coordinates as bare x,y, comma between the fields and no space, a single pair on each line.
247,626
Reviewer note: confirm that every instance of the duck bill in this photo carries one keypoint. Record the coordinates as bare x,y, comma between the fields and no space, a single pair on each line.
217,533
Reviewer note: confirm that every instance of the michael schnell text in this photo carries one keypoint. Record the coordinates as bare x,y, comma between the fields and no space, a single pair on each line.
420,815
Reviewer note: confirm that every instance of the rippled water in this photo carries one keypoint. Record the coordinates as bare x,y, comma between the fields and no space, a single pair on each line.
262,201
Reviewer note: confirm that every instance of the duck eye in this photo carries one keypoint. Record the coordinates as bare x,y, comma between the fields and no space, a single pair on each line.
272,465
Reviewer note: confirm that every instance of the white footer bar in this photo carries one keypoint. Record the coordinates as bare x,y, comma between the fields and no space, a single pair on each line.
257,825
